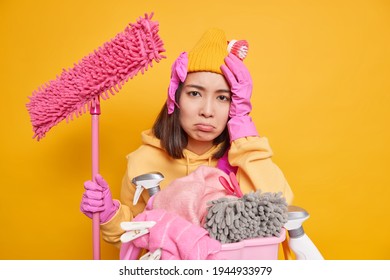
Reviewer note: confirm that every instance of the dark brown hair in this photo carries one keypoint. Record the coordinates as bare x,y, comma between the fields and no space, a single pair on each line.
174,139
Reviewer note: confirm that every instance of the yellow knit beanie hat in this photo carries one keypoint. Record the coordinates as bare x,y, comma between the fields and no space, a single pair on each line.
209,53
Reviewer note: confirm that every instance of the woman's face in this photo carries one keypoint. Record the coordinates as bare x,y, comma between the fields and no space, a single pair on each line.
204,109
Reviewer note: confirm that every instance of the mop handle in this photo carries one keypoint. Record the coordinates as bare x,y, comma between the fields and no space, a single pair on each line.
95,112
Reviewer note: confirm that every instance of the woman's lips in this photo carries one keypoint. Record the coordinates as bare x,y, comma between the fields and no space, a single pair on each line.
204,127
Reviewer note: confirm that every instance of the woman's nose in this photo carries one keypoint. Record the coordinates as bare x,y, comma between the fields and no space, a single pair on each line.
207,109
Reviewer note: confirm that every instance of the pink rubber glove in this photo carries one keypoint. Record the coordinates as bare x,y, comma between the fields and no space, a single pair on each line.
97,198
240,81
178,74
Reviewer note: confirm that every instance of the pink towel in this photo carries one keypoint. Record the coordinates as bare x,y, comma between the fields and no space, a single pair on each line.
188,196
177,238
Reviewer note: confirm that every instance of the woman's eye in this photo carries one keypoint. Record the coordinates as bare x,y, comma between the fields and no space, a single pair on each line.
224,98
194,93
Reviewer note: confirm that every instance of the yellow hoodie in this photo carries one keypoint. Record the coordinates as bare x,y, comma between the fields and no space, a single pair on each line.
252,156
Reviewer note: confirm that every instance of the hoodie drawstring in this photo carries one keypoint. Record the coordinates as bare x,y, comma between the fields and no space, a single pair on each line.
188,165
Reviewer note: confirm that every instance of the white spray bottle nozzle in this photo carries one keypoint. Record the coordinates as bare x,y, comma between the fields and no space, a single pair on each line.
149,181
296,217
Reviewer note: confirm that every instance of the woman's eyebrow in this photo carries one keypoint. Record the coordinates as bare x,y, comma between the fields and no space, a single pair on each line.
195,86
224,91
203,88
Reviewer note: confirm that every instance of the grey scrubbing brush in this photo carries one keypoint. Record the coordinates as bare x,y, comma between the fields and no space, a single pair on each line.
256,214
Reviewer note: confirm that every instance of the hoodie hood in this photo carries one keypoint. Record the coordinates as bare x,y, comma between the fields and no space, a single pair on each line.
191,160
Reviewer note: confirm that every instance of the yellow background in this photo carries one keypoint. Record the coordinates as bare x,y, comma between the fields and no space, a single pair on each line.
321,96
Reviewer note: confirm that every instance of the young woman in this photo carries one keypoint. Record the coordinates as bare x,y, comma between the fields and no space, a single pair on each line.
205,121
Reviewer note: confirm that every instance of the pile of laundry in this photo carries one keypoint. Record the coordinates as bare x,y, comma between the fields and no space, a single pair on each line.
194,215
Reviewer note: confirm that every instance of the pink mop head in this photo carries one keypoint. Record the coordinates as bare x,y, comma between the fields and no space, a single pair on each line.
97,75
